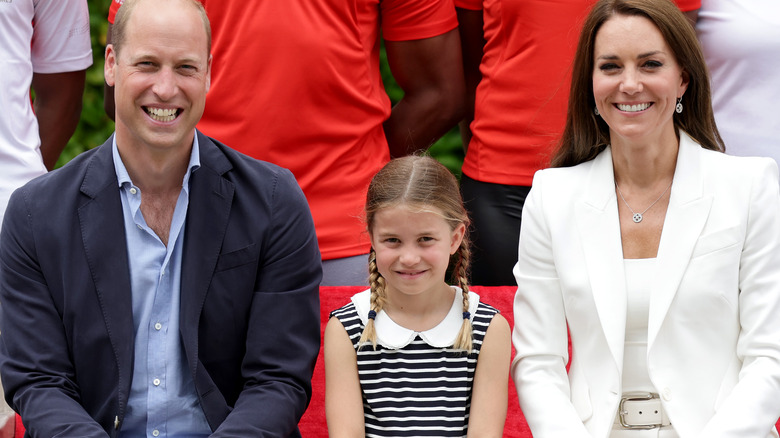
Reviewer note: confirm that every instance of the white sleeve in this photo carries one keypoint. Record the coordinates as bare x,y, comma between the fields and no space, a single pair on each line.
61,40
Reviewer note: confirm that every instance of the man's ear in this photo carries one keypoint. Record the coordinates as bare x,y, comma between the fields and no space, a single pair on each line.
110,65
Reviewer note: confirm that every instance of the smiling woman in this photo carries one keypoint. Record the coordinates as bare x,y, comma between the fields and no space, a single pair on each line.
658,254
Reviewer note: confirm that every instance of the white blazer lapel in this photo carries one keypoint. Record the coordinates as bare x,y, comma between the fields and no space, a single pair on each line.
599,228
685,218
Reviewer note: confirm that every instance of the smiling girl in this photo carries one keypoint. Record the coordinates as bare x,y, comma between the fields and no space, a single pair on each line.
412,353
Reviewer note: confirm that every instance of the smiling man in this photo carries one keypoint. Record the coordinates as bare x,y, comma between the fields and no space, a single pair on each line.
140,282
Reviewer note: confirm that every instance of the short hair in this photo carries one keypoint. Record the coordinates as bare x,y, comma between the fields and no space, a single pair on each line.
419,182
585,134
118,29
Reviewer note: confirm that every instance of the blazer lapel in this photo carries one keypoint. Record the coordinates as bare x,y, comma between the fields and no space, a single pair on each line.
103,236
211,197
599,229
685,218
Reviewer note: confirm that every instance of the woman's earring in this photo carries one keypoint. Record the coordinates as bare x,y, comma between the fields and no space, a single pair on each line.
679,108
596,111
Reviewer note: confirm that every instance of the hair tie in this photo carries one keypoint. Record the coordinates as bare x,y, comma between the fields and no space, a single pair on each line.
466,315
371,314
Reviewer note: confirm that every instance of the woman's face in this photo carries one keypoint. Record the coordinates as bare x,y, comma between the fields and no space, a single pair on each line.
636,79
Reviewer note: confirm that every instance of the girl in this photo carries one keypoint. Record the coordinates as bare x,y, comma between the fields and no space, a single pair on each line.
413,354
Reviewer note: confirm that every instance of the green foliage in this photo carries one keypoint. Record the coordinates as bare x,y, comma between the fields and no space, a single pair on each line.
95,127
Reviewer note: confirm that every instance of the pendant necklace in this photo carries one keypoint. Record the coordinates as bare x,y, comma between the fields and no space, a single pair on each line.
639,216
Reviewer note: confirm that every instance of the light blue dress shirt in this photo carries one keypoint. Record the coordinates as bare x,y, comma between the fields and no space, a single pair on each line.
163,400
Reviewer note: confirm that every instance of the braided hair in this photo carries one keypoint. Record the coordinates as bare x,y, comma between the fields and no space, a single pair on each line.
418,181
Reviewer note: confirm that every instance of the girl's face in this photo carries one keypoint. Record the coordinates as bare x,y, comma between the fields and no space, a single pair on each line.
636,78
413,248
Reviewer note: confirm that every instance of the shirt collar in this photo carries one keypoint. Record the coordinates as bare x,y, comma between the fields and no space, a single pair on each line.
124,177
393,336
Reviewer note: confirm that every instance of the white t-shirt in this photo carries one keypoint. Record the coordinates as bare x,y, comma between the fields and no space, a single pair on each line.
41,36
741,43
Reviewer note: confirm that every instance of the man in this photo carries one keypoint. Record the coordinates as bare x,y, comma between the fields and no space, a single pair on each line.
161,284
45,45
297,83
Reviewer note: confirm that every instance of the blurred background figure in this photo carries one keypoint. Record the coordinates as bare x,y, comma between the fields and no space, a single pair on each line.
517,58
741,44
44,45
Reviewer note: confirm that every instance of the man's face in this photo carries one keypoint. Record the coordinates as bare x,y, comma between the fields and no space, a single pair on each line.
161,76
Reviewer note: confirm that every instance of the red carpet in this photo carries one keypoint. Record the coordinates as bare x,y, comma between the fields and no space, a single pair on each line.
313,422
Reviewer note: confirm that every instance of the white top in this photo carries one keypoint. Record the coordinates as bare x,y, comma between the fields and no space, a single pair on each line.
639,277
393,336
41,36
741,43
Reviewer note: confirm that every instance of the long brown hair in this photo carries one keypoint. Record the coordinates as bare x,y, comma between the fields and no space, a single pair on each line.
586,134
418,181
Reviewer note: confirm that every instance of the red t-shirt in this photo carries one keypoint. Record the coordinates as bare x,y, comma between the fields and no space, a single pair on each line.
520,107
297,83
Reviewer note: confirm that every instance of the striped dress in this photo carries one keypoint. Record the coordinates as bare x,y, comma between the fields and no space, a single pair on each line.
415,384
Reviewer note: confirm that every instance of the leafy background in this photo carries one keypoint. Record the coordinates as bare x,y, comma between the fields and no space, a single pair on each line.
95,126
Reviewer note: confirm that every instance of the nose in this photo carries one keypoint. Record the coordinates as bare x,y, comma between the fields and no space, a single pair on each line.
631,83
165,84
409,257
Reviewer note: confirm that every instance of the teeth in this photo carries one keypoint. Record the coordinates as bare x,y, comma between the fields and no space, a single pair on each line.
162,115
633,108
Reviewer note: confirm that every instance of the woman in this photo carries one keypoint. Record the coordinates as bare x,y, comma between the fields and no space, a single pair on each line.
658,252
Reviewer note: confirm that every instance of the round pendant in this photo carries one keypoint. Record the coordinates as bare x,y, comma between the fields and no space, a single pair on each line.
637,217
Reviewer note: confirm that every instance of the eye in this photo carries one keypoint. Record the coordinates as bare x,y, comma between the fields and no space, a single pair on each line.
652,64
426,239
608,67
392,240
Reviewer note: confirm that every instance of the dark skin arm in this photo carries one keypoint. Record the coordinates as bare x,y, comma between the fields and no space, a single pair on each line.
430,73
57,107
472,42
108,91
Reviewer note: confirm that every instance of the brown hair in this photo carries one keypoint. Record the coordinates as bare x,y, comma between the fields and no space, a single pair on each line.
418,181
585,134
118,29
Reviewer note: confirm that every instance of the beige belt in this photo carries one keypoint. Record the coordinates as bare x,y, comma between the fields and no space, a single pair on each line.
641,411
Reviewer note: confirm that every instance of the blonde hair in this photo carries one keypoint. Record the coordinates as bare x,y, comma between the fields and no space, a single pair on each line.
423,182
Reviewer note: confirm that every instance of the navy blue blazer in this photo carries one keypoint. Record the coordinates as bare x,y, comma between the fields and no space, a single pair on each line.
249,298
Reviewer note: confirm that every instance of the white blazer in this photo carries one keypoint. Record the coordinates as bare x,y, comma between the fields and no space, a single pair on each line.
714,323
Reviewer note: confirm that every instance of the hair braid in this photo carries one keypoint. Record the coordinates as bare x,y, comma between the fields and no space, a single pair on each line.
378,299
464,339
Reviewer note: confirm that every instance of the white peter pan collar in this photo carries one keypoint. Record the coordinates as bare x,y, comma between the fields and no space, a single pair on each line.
393,336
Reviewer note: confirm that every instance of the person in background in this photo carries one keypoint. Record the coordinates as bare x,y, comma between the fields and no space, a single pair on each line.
45,46
658,253
517,58
161,284
297,83
412,353
741,44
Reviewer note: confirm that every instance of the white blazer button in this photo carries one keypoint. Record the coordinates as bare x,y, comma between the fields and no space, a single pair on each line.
667,394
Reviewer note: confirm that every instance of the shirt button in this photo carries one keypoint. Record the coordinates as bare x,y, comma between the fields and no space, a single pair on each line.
140,227
133,190
156,382
667,394
155,432
158,326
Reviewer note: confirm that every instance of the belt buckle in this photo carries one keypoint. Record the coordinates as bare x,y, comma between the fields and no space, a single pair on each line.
635,397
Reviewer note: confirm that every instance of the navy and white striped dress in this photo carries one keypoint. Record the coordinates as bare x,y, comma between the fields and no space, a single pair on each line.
415,384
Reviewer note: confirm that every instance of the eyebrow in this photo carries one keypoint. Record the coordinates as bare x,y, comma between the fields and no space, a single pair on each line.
641,55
